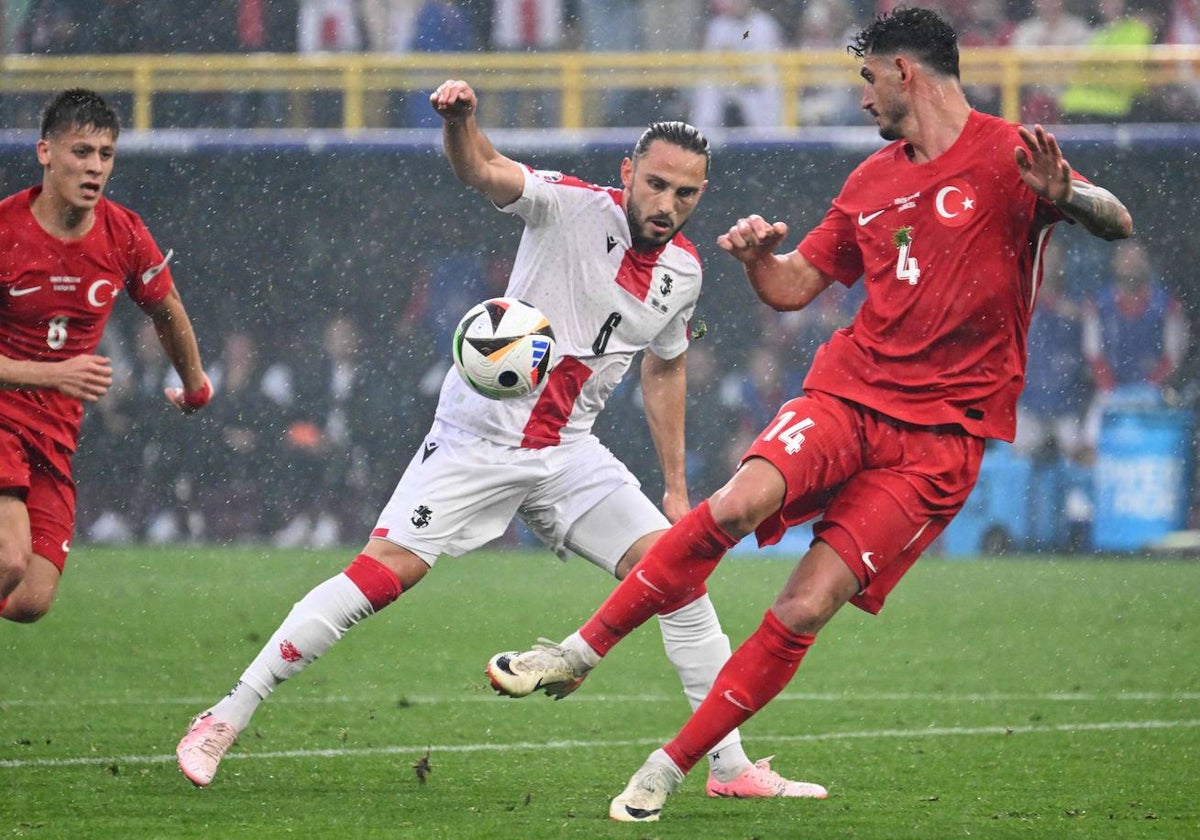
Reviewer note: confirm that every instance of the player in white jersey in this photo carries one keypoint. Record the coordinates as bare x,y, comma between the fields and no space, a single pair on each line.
615,277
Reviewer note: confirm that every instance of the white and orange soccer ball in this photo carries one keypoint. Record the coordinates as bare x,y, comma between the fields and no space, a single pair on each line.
503,348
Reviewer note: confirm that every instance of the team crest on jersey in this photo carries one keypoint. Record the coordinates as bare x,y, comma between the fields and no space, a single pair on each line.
954,203
548,175
661,287
101,293
421,516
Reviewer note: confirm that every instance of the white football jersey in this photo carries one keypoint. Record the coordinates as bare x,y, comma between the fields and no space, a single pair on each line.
605,301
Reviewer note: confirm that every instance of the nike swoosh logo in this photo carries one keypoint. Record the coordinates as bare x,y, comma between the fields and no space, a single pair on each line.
863,218
154,270
640,575
728,695
22,292
866,558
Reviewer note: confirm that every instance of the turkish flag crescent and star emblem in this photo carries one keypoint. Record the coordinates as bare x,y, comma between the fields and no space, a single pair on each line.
954,203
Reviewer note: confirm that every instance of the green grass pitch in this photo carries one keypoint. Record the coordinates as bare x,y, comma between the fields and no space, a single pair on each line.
1004,698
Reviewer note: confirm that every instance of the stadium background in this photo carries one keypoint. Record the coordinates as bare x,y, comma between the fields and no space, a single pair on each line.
279,231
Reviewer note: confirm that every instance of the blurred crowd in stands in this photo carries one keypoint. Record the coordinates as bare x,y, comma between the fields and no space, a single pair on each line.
60,27
305,440
327,331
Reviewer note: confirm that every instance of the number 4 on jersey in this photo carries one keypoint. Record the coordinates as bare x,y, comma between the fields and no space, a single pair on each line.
791,435
906,266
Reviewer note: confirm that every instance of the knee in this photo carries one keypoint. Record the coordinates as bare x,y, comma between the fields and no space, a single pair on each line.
755,492
806,613
13,564
407,566
737,512
24,610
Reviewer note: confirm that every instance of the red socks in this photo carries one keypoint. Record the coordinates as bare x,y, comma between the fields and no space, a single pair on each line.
378,583
757,671
670,575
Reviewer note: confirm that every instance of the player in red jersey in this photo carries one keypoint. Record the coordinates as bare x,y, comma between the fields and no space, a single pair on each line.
66,253
946,227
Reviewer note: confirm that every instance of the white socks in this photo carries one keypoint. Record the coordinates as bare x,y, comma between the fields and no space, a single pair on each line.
315,623
698,649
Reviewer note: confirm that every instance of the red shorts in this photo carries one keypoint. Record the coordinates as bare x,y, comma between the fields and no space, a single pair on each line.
886,488
44,479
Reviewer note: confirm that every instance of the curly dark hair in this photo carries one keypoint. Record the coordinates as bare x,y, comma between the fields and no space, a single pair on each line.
922,32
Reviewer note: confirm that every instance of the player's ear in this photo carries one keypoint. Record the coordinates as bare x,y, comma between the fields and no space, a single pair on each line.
903,69
627,173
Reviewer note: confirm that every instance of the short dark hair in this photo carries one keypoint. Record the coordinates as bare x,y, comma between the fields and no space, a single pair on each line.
676,133
922,32
77,108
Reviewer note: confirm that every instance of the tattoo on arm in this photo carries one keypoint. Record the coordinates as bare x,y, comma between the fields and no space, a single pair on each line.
1098,210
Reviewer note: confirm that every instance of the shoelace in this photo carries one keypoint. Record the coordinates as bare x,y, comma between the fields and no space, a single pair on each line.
764,774
217,740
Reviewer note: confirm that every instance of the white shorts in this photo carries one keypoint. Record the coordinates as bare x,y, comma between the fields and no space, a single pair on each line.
461,491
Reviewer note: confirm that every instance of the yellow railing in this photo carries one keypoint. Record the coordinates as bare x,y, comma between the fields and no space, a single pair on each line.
577,77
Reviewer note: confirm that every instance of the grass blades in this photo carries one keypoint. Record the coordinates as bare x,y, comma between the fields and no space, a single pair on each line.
1047,698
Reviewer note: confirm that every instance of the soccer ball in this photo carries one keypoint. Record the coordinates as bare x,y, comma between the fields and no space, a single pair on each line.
502,348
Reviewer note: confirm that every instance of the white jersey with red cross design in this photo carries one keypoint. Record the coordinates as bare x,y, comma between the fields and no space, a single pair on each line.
605,301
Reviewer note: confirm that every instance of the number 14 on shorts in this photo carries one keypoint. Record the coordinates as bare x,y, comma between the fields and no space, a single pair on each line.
791,434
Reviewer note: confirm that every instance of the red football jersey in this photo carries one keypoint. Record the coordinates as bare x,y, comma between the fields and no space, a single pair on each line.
56,296
950,252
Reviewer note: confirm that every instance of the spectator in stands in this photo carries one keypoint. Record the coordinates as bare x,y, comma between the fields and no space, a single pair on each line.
824,25
1183,28
615,26
755,389
327,26
261,26
105,433
674,24
390,25
1182,22
1050,25
161,490
985,23
321,461
55,27
1057,389
440,26
738,26
710,420
529,26
1135,334
982,23
1093,98
244,431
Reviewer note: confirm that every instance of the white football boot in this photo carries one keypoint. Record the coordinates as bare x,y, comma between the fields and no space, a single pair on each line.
548,667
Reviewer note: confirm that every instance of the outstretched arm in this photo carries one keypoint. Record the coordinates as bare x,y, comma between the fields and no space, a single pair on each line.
664,395
1048,174
178,341
783,282
472,156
